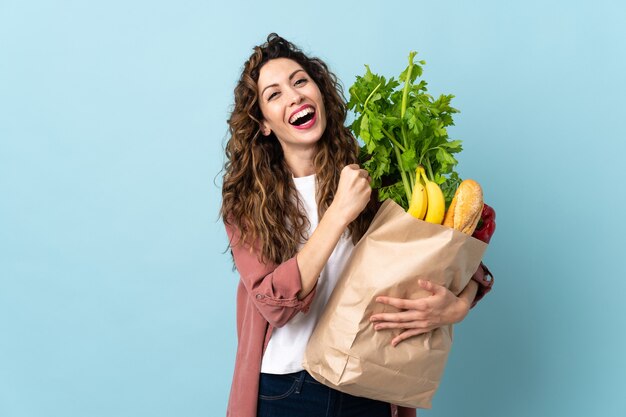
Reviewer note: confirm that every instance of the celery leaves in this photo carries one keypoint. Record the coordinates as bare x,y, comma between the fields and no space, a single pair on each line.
401,127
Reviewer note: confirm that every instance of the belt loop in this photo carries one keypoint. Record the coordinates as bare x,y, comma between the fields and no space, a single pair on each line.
300,381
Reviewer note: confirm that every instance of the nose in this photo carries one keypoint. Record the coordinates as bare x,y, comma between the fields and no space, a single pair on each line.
296,97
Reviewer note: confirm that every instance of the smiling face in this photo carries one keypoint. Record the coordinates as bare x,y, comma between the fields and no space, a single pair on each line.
292,106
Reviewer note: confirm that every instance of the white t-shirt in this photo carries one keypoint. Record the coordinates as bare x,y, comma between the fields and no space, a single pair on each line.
285,350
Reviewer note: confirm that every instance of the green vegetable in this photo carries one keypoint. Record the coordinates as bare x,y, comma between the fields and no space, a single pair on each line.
402,127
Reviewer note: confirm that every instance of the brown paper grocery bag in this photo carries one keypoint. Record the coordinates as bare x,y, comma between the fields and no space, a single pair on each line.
346,353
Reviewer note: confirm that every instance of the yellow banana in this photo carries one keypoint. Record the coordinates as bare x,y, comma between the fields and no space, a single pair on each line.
419,199
436,202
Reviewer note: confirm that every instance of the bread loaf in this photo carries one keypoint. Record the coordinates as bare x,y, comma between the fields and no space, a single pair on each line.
465,208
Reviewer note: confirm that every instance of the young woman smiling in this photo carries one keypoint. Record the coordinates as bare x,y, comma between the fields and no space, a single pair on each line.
295,202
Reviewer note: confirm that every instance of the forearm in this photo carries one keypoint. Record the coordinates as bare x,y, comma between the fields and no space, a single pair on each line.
469,293
315,253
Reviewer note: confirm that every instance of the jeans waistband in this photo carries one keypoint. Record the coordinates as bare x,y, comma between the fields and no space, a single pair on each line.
304,376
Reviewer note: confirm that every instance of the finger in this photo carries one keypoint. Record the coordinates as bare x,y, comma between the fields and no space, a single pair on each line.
407,334
400,303
347,170
401,317
431,286
419,304
415,324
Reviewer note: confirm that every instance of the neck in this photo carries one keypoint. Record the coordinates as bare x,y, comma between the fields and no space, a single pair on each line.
301,163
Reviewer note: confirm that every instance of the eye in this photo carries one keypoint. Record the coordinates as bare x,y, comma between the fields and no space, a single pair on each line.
272,95
301,81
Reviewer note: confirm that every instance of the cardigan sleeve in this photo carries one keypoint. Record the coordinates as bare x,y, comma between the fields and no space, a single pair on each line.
484,279
272,288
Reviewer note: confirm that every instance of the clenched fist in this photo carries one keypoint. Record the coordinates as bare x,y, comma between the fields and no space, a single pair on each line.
353,193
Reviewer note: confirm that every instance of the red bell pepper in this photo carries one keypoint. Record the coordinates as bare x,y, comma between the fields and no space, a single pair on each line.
486,225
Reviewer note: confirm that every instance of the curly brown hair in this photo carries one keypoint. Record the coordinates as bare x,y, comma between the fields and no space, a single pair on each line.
258,192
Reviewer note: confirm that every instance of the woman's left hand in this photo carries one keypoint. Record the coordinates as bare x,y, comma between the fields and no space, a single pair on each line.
421,315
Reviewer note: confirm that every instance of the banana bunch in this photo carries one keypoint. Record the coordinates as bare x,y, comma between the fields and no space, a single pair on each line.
427,201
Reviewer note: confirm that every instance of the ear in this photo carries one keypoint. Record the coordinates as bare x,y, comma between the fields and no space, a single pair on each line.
265,129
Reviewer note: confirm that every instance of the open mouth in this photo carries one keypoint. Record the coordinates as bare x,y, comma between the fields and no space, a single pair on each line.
302,117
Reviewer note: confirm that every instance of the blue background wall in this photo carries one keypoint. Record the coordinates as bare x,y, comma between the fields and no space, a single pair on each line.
116,297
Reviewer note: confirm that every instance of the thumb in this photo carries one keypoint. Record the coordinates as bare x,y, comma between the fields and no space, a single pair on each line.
431,286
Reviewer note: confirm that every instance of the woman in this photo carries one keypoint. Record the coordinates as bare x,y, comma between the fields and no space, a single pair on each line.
294,204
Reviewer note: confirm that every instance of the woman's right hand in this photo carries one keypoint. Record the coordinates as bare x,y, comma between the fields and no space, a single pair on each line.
353,193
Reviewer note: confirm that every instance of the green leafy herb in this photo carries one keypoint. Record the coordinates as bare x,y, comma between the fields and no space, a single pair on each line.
402,127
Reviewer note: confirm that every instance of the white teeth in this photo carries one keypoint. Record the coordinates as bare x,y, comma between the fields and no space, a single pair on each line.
300,114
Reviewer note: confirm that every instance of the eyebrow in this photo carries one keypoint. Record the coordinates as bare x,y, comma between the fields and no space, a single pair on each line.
276,85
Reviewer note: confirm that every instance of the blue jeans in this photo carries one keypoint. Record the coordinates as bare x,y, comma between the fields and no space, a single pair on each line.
299,395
